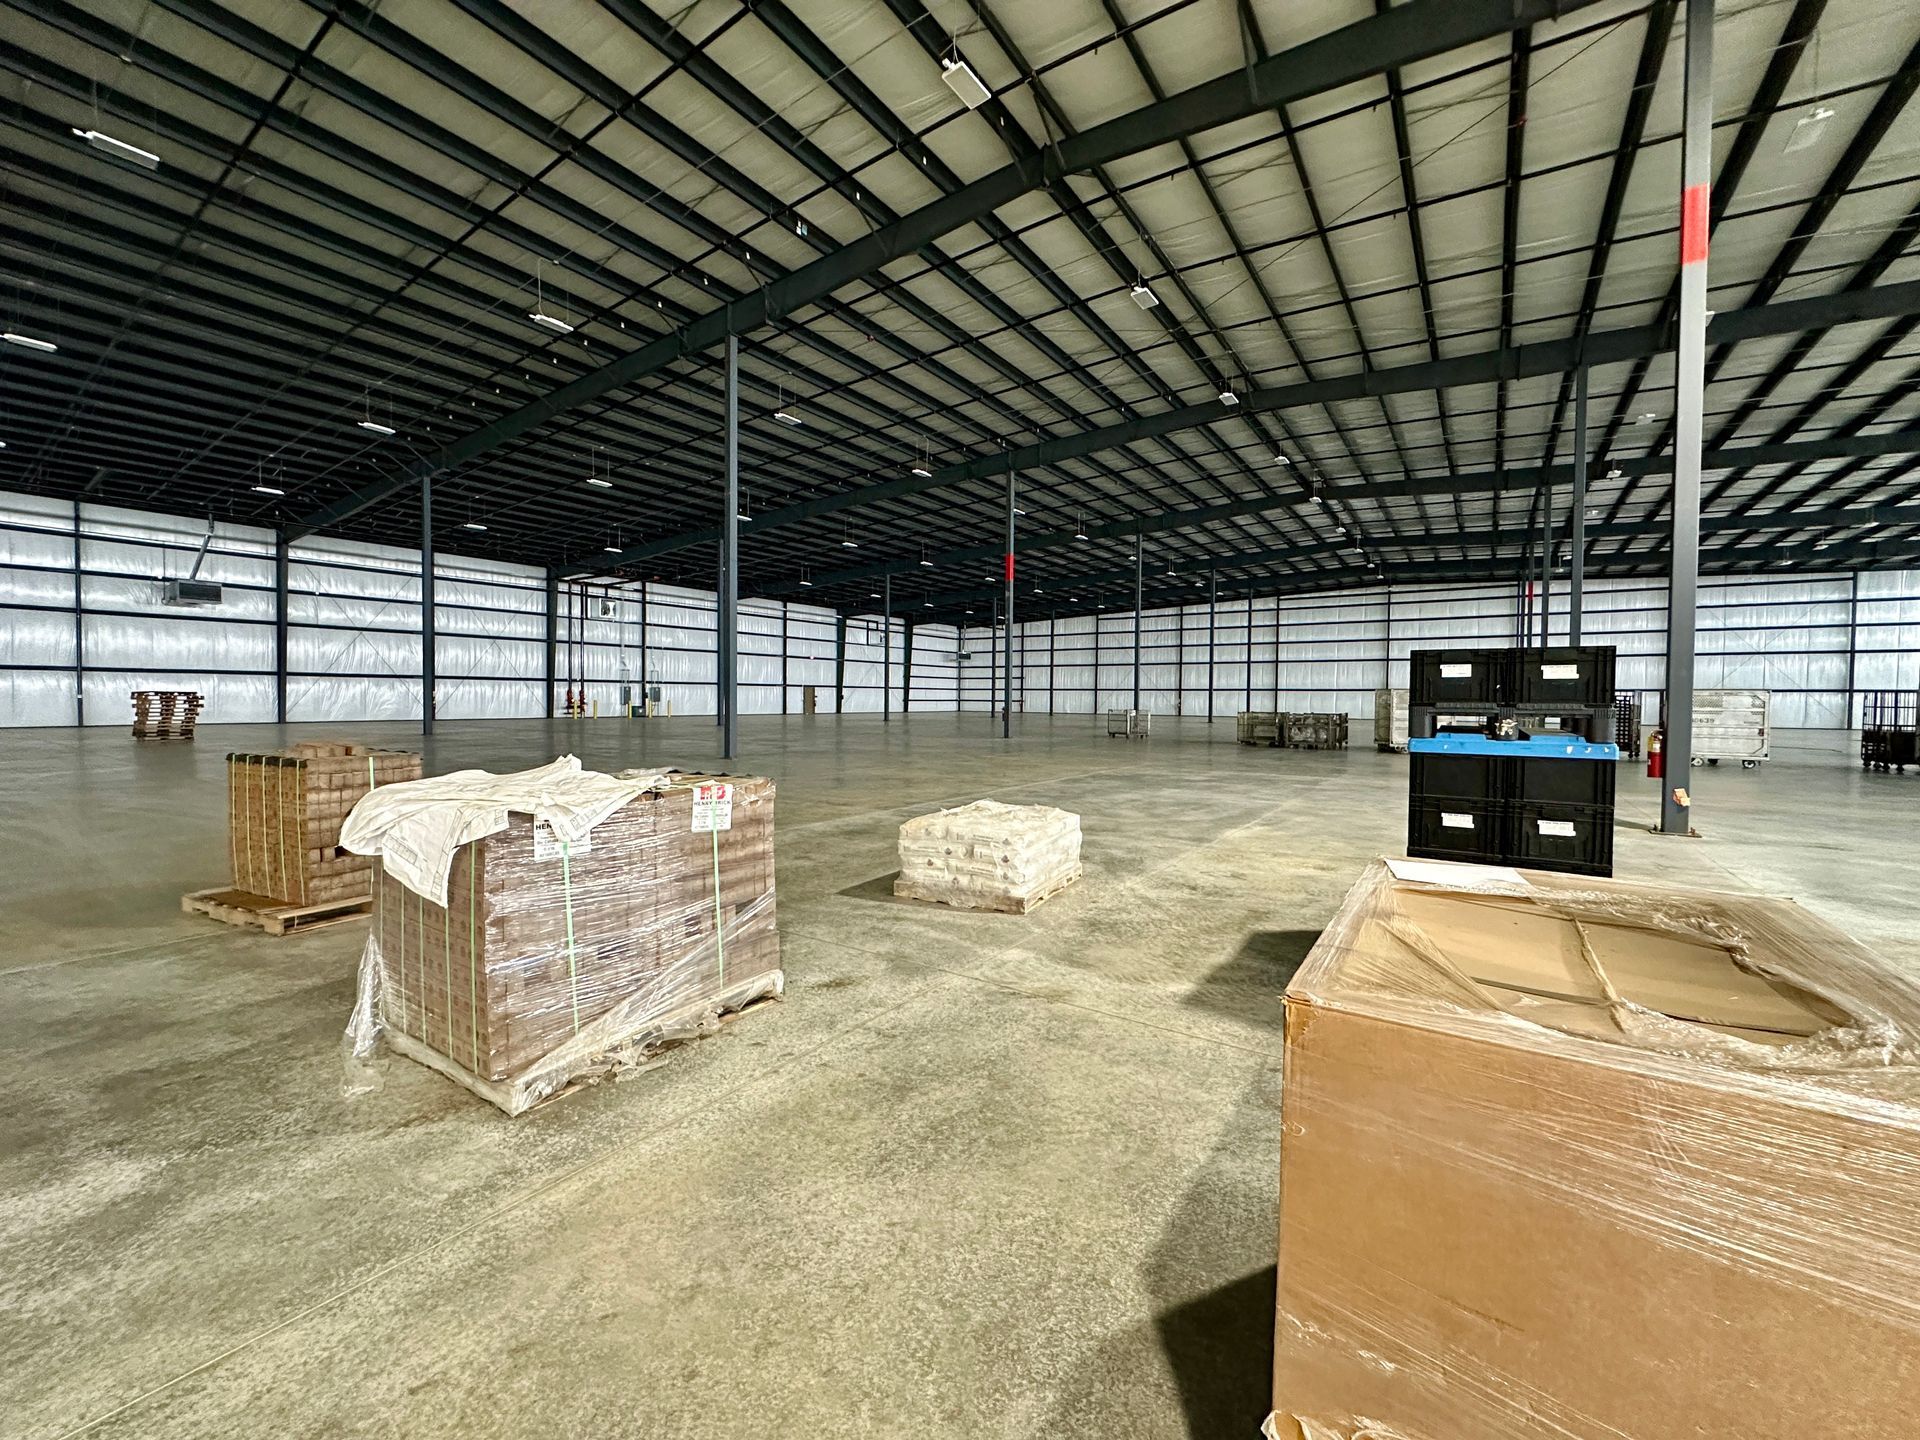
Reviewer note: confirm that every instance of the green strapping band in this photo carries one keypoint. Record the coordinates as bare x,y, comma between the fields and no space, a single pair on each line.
403,961
280,822
473,959
719,926
566,881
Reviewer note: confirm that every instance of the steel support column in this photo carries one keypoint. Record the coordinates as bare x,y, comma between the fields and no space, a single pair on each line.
1139,590
645,673
840,664
1006,677
79,628
784,647
1213,601
886,652
730,559
1689,393
906,667
280,548
553,636
428,632
1053,628
1577,560
1546,567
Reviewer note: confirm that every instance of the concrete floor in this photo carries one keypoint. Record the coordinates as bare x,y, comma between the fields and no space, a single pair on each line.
979,1175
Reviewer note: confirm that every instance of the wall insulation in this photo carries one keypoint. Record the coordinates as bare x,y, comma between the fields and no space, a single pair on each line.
353,631
1814,641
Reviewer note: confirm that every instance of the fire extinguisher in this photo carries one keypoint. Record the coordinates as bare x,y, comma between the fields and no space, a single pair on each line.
1657,755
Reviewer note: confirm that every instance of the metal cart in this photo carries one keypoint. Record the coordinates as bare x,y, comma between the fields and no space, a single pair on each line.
1889,730
1731,725
1129,724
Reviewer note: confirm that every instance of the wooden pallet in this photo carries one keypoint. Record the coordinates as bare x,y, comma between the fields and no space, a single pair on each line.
256,912
1001,904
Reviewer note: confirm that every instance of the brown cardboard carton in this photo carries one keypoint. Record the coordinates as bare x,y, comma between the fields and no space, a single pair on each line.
1593,1160
284,812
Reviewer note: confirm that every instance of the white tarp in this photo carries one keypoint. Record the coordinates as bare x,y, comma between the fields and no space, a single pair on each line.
416,827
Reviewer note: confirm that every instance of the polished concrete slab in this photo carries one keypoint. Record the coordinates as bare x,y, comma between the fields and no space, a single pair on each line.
979,1175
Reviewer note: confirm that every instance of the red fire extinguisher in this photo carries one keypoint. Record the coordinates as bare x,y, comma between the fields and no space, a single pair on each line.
1657,755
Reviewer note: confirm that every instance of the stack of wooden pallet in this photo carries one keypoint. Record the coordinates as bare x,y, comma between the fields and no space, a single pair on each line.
989,856
284,812
545,967
165,714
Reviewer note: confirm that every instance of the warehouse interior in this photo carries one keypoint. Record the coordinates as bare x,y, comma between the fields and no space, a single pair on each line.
916,404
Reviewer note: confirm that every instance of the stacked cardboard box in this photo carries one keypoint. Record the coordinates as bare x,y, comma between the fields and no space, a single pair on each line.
989,856
284,812
549,964
1587,1159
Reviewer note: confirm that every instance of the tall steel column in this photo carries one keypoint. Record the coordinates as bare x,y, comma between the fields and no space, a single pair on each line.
280,547
1577,561
840,663
886,651
993,656
79,627
1546,565
1053,629
644,671
1689,396
553,637
1139,590
427,633
730,560
906,667
1213,601
1006,678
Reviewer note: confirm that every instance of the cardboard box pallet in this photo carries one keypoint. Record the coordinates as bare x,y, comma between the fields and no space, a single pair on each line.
284,812
547,966
1589,1159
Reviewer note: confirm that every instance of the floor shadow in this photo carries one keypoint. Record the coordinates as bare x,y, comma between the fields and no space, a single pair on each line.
878,888
1220,1349
1252,983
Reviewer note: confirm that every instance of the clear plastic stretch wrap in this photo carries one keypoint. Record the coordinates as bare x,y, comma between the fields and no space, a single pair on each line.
1593,1160
989,856
557,960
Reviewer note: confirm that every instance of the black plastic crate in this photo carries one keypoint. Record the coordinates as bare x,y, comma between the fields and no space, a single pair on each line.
1459,777
1444,828
1579,676
1459,677
1573,839
1559,781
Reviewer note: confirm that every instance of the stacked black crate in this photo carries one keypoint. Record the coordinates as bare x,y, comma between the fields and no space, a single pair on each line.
1511,757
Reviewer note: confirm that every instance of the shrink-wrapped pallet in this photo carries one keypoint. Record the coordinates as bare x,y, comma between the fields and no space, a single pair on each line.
989,856
571,941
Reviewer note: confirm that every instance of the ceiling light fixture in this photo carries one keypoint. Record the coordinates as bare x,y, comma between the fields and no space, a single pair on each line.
268,490
1279,459
27,342
598,483
922,458
473,525
611,549
1144,297
120,149
805,581
1227,397
1646,417
1614,473
924,561
1079,527
780,411
1807,130
538,315
964,83
377,428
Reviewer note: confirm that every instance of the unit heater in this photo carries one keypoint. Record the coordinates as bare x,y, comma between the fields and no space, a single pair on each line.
190,593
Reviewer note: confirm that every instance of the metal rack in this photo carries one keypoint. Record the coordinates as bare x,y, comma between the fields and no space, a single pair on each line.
1890,730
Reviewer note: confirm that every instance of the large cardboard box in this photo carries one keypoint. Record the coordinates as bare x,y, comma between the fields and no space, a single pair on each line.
1590,1160
542,969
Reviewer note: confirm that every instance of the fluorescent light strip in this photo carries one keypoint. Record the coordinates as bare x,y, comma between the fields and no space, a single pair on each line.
473,525
120,149
268,490
964,83
376,427
786,417
27,342
548,322
600,484
922,472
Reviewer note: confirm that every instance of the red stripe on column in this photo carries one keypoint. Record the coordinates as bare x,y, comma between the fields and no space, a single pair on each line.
1693,224
1009,567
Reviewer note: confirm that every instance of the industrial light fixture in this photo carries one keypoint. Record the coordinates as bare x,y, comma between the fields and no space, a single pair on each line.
922,458
924,561
873,594
803,578
1227,397
780,411
1614,473
594,477
1280,459
922,471
847,542
1646,417
1144,297
3,444
268,490
1807,130
27,342
741,513
538,315
1079,526
598,483
120,149
473,525
611,549
964,83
